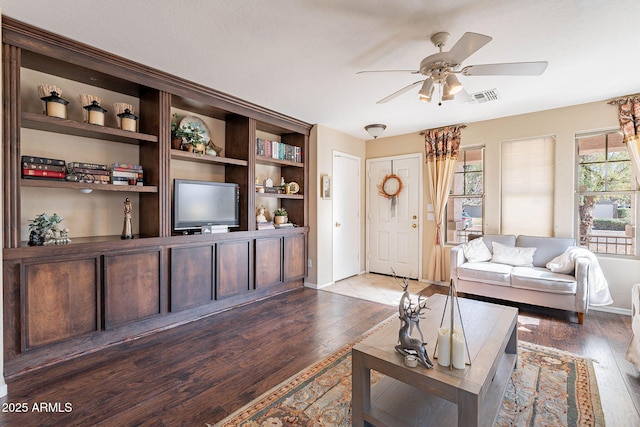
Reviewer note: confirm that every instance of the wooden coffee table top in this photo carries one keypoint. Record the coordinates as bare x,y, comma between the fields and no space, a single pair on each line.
491,333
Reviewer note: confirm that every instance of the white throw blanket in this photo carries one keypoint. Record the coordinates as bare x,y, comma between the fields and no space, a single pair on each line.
598,287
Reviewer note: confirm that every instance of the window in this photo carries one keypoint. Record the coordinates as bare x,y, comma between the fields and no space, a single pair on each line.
527,186
606,202
464,213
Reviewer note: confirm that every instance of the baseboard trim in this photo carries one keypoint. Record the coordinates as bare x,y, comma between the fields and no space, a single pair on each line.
614,310
316,286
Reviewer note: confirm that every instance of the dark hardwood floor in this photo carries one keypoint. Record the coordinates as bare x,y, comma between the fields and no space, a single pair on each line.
200,372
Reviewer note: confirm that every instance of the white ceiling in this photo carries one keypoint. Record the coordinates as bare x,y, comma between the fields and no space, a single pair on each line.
300,57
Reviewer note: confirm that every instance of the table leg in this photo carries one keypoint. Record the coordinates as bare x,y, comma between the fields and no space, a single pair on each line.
360,388
468,409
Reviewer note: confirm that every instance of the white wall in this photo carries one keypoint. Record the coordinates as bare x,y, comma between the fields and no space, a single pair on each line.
322,143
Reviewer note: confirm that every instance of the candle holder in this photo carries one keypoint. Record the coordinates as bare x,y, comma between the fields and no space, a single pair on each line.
454,349
55,106
95,113
128,120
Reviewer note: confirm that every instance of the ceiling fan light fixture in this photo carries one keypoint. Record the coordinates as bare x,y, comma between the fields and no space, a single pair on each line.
426,91
375,130
446,93
453,84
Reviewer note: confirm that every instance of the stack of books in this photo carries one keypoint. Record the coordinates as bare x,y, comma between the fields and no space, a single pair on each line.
127,174
43,168
98,173
265,225
285,225
278,150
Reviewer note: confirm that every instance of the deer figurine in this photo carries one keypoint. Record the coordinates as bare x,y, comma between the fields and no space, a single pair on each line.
410,317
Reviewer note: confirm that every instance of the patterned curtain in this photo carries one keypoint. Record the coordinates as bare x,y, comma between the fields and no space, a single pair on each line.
629,117
442,146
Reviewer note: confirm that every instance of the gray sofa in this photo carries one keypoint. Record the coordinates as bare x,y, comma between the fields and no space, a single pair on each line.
534,284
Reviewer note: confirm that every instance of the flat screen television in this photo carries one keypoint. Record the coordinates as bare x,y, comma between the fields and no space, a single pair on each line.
200,203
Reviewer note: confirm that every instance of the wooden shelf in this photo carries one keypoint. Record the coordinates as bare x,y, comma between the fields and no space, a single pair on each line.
281,196
71,127
275,162
83,185
203,158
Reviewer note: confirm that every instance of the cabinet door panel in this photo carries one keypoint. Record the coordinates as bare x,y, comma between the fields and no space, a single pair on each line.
191,277
295,254
132,287
60,301
232,268
268,260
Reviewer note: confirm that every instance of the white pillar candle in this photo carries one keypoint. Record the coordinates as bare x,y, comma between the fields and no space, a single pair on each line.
444,347
458,354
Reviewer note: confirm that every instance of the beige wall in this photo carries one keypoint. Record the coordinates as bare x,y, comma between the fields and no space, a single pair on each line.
563,123
322,144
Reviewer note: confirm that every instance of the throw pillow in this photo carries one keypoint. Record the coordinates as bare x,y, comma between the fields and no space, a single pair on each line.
476,251
512,255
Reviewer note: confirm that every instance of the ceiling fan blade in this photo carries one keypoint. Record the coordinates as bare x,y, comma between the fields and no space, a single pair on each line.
468,44
389,71
399,92
506,69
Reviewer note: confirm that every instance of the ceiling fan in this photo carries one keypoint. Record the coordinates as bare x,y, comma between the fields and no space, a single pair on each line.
441,68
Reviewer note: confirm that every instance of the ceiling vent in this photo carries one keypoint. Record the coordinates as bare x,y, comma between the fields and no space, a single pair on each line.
484,96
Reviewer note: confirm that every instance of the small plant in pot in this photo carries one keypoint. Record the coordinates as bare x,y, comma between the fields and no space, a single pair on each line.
280,216
40,226
177,133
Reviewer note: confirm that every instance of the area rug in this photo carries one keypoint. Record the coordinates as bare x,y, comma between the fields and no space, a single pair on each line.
554,388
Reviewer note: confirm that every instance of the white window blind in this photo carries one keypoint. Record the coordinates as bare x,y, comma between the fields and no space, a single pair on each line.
528,186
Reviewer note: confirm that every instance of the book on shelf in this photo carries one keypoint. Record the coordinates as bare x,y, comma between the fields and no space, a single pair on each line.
126,174
94,172
278,150
285,225
39,173
83,165
126,166
265,225
115,180
41,166
43,160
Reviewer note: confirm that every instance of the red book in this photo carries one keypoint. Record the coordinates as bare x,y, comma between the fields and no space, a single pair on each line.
42,173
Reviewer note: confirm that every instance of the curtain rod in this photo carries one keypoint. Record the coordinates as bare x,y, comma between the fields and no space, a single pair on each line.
622,99
460,125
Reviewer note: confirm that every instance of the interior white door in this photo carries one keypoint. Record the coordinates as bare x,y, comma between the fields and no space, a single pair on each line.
346,216
394,226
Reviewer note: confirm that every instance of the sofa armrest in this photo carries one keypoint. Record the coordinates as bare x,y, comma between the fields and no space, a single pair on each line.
456,258
582,284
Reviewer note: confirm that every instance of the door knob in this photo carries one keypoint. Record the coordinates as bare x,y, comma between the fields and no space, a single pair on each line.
338,224
414,225
415,217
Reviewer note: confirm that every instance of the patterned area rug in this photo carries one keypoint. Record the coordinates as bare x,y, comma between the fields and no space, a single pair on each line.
553,389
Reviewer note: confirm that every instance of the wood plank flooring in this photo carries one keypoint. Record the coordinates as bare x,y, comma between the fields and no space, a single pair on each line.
200,372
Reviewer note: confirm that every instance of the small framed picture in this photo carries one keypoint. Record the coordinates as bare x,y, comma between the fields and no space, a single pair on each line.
325,187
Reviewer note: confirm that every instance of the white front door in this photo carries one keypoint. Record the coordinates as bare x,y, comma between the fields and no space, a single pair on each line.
346,216
394,226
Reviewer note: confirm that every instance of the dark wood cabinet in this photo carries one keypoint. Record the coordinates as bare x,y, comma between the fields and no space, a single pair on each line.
232,264
60,301
192,276
295,257
131,286
268,261
65,300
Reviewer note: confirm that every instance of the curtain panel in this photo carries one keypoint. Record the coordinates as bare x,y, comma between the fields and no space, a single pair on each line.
629,118
442,146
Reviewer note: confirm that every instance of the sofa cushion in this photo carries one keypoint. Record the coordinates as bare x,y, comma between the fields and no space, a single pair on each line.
486,272
512,255
505,239
476,251
541,279
547,247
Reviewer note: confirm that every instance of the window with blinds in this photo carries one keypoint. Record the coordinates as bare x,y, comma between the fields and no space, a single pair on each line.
527,186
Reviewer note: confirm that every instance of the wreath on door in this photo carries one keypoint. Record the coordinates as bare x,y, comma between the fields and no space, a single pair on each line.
390,186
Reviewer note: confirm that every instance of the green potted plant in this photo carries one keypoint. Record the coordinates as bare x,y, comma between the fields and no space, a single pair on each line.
39,227
190,137
280,216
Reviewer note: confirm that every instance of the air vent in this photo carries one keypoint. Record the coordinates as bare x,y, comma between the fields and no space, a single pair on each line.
484,96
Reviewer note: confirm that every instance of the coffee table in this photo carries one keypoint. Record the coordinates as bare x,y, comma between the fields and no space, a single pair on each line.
438,396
